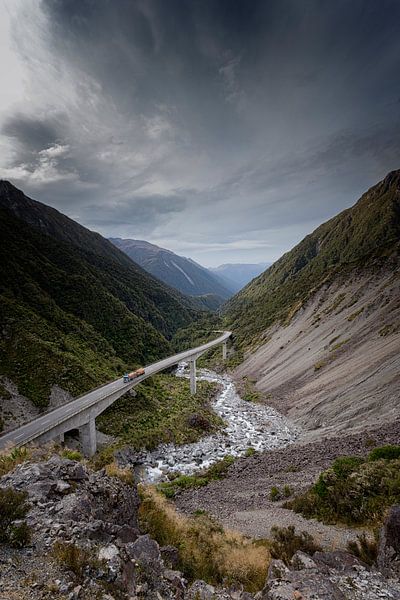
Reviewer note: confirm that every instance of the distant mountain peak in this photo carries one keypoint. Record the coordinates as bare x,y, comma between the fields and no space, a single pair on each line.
179,272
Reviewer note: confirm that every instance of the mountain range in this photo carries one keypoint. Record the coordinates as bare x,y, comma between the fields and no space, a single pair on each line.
319,330
75,310
184,274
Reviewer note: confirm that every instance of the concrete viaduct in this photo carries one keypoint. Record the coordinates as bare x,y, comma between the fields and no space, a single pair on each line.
81,412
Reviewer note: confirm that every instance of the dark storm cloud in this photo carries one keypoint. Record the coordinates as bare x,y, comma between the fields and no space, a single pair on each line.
32,133
226,125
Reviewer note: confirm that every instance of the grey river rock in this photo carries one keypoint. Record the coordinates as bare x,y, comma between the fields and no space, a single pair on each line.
247,425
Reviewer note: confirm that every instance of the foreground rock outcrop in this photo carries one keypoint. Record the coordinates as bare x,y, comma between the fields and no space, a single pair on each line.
87,544
327,576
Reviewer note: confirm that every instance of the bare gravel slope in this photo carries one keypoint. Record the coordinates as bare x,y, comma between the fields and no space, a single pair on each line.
336,366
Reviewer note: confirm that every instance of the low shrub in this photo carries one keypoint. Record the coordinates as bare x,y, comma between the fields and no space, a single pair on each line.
19,535
286,542
384,452
250,452
74,558
354,491
206,550
13,507
216,471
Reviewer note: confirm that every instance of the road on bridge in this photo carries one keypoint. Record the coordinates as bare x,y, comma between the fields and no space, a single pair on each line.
36,428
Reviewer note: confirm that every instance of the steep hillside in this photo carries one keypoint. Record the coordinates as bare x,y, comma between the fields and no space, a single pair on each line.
179,272
75,310
237,275
324,321
369,229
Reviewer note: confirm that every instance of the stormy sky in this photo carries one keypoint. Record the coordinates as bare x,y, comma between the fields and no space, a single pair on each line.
224,130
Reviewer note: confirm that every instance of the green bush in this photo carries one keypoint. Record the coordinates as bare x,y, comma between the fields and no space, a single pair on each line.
353,491
250,452
13,507
287,491
216,471
385,452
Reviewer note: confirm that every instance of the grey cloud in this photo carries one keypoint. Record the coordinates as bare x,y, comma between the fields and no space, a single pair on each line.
31,132
227,128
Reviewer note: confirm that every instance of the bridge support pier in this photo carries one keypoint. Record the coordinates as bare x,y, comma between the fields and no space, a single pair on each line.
192,376
87,437
224,351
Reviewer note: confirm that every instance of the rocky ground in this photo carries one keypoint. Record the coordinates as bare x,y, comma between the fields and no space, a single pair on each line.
16,409
70,504
242,500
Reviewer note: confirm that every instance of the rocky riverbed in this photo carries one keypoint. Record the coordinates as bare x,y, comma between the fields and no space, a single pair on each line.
247,425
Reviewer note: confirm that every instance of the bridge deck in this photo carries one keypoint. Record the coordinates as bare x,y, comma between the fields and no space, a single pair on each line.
45,423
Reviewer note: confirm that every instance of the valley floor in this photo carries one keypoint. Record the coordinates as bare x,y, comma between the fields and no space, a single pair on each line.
242,500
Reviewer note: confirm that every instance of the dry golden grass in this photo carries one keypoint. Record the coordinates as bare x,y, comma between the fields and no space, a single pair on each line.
206,550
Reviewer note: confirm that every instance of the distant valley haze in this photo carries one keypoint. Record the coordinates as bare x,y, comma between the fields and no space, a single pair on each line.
222,130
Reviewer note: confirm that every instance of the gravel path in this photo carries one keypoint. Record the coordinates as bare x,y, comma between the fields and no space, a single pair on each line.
241,500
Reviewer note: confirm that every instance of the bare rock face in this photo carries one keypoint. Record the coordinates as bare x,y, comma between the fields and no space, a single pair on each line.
85,504
389,544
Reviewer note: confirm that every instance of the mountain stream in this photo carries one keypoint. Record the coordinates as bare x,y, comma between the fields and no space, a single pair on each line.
248,424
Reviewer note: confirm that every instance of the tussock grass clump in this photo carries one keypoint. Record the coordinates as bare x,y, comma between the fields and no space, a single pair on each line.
13,507
123,474
10,459
72,454
366,549
286,542
206,550
274,494
354,490
74,558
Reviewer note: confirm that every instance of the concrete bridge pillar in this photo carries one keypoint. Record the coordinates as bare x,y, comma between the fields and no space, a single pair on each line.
193,376
87,437
224,351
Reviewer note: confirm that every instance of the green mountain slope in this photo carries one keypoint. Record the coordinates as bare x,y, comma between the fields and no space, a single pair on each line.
74,310
358,235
